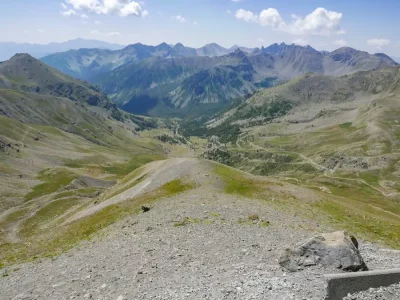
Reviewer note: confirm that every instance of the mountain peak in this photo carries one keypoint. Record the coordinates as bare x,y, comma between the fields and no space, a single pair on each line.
238,53
22,56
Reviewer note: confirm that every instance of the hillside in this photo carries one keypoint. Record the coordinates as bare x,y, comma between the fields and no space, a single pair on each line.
317,128
25,73
55,139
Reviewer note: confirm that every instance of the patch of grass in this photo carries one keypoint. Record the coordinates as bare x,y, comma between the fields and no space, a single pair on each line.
264,223
214,215
253,217
346,125
13,217
366,221
235,181
53,180
61,238
187,221
177,186
5,273
46,214
121,170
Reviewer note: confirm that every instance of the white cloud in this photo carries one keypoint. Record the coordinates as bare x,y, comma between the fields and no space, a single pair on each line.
246,16
131,8
64,6
229,12
378,43
94,32
122,7
271,17
40,30
340,43
26,31
179,19
300,41
195,23
69,13
237,0
321,21
97,22
84,16
260,40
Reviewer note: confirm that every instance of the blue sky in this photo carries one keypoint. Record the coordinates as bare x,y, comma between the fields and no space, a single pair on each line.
327,24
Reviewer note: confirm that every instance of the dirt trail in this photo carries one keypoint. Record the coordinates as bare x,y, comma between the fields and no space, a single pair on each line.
157,174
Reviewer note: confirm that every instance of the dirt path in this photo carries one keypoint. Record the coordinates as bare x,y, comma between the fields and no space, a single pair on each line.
157,174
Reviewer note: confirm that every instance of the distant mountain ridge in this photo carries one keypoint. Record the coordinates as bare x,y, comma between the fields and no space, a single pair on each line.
182,82
8,49
88,63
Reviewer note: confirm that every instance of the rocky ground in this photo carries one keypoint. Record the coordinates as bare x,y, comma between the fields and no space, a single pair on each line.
197,245
387,293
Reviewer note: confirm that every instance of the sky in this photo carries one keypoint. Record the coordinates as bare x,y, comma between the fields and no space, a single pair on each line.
369,25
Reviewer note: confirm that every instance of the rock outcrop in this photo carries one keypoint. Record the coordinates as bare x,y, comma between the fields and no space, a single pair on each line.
330,250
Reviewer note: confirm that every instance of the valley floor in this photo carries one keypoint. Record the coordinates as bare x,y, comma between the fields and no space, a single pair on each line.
205,243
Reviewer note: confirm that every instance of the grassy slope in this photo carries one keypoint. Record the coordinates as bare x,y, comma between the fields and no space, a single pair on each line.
355,208
47,142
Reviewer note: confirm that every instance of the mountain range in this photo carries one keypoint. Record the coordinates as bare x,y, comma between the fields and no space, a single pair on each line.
87,63
8,49
156,79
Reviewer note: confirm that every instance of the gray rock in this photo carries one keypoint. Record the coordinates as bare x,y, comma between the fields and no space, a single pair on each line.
338,250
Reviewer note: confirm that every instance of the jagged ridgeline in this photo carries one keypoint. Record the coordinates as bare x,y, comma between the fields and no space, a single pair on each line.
163,80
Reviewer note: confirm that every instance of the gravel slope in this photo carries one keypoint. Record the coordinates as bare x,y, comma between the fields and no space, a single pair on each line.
212,256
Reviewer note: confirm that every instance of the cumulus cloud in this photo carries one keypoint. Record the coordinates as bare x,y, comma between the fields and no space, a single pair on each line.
180,19
123,8
378,43
246,15
321,21
340,43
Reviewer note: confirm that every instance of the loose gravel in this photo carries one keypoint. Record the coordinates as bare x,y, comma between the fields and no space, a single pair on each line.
384,293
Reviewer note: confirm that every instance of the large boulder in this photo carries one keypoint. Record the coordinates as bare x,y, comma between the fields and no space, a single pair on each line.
330,250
